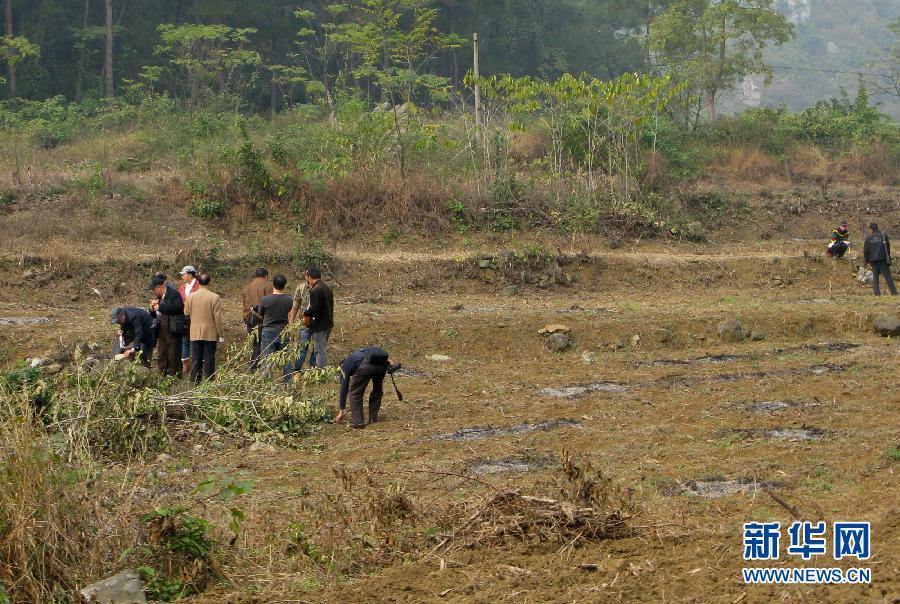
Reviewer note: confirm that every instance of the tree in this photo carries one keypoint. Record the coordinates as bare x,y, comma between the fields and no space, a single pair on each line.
13,49
396,41
886,79
711,44
108,51
210,57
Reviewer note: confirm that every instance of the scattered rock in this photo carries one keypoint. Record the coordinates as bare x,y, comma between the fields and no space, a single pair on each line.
731,330
261,446
618,344
588,358
96,291
635,339
457,307
9,321
552,328
512,463
559,342
29,274
509,291
486,263
757,335
53,369
439,358
37,362
887,325
125,587
864,276
714,489
577,391
163,458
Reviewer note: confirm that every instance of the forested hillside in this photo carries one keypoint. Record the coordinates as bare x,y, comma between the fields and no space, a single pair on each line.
835,39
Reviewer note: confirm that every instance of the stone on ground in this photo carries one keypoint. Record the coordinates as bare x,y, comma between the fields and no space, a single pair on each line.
125,587
559,342
552,328
864,275
757,335
439,358
887,325
731,330
588,358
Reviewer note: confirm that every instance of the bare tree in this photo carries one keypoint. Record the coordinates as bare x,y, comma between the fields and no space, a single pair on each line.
11,66
82,50
108,54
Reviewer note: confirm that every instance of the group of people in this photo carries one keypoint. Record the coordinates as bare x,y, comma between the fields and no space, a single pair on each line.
185,327
876,254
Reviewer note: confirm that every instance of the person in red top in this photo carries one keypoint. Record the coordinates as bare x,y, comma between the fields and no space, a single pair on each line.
188,286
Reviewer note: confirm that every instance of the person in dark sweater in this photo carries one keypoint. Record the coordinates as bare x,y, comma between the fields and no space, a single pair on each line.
357,370
273,312
877,254
318,321
166,308
136,325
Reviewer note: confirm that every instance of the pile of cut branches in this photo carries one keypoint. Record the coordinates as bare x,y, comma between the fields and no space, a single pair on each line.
589,508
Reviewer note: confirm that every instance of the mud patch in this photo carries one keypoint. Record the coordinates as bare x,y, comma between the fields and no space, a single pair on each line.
510,463
713,488
579,390
788,434
767,407
12,321
491,432
589,311
675,381
725,358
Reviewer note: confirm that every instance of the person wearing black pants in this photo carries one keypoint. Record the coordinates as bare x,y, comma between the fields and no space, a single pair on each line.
357,371
877,254
203,356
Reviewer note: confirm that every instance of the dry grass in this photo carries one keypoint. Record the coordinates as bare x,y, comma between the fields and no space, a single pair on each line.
874,162
526,146
748,164
47,524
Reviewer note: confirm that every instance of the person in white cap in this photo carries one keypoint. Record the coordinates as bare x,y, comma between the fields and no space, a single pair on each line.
189,285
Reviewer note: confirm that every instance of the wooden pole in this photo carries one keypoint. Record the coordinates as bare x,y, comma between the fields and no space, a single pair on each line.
477,86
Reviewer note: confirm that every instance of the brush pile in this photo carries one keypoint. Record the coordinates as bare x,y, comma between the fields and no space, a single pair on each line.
588,509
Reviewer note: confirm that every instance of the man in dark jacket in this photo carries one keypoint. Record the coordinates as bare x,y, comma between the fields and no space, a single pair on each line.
168,309
136,325
357,370
877,253
318,320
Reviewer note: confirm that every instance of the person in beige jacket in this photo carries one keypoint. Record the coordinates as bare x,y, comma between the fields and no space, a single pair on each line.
205,309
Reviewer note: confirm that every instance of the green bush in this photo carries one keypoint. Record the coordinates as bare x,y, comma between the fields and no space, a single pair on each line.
207,208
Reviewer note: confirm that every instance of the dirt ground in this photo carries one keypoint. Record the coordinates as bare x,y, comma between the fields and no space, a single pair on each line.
696,431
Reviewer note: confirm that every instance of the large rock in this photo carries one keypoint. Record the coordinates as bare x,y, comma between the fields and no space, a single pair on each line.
887,325
559,342
125,587
864,276
731,330
552,328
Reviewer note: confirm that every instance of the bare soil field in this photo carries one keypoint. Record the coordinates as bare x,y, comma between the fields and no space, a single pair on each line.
688,436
